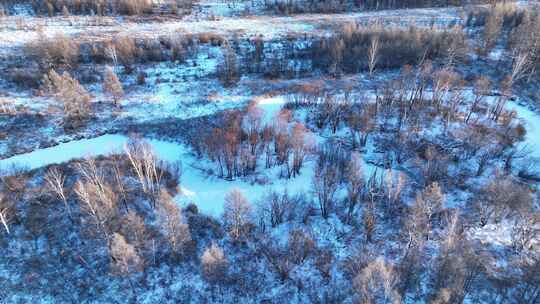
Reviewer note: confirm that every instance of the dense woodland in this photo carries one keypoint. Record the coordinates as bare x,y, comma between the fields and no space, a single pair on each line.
401,174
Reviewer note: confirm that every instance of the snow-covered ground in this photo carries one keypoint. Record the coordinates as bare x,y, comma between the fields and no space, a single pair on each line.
16,31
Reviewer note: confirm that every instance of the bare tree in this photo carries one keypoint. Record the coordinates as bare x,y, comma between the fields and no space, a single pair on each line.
237,214
325,184
377,283
336,48
302,142
492,30
98,199
125,260
427,204
394,184
276,208
361,124
73,96
125,51
110,51
526,231
214,264
456,267
6,212
373,53
443,82
172,222
500,198
369,221
228,70
56,181
134,230
355,182
54,52
481,89
433,199
252,124
148,169
111,85
521,66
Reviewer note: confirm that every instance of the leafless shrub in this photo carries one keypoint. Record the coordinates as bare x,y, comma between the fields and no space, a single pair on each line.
301,246
492,30
124,256
433,164
14,182
74,98
527,290
502,197
134,7
283,257
141,78
135,232
228,70
54,52
125,51
324,260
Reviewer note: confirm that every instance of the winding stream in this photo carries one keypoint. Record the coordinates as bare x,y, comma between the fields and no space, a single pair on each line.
208,192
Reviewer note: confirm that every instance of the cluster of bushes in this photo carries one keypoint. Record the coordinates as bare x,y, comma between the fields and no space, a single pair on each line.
410,105
62,53
302,6
239,141
515,28
74,99
352,49
356,48
509,14
106,7
336,6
